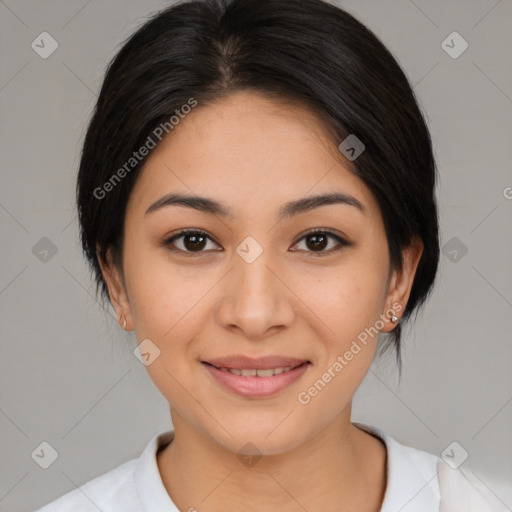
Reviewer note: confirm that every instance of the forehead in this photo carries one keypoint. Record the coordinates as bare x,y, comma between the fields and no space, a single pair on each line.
248,151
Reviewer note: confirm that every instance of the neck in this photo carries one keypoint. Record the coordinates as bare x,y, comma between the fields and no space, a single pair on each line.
341,468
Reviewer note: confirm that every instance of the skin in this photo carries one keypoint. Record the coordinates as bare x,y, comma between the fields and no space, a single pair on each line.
254,154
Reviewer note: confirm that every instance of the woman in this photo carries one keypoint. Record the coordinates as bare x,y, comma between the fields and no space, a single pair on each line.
256,199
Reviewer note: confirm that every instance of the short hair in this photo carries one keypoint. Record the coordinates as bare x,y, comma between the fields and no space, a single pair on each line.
306,51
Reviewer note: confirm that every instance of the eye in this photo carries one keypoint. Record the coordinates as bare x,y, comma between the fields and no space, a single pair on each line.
189,242
317,240
192,241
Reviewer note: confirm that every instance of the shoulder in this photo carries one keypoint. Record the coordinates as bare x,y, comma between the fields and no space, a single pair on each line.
419,481
134,486
461,490
113,490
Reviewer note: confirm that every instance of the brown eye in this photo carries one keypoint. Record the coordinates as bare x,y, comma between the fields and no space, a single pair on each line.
194,242
317,241
190,241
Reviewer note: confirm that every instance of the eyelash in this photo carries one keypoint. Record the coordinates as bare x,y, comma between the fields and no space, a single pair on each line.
169,241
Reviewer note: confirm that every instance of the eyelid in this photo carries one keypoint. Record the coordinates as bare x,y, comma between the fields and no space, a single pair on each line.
327,231
189,231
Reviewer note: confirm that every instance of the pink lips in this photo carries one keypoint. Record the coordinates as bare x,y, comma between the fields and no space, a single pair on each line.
255,386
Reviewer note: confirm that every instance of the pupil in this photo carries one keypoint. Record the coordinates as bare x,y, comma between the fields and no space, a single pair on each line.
319,241
197,242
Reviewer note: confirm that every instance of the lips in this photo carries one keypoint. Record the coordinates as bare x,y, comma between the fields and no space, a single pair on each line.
256,378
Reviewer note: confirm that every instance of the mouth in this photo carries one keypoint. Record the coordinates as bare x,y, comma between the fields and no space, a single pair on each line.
255,372
256,378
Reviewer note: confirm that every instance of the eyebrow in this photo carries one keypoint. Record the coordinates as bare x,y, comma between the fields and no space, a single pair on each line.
210,206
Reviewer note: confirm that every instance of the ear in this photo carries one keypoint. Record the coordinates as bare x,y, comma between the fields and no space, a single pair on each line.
113,276
401,283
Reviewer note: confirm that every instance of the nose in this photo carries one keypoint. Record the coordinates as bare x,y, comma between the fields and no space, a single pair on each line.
256,301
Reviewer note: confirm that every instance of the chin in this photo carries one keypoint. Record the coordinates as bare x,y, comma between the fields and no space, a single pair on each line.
258,438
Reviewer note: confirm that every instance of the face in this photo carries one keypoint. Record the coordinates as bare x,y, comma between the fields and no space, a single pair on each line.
245,274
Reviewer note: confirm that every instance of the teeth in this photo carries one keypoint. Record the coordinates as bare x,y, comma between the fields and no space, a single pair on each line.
265,373
260,373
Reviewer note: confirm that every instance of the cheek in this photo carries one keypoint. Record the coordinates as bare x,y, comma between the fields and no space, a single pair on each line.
168,307
349,309
164,298
347,301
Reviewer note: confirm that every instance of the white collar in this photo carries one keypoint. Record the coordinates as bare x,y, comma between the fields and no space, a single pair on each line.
148,481
412,476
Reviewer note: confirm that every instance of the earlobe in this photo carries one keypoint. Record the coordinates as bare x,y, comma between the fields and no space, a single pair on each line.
401,283
114,280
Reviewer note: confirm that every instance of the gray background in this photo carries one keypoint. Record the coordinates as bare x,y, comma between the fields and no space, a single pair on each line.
68,375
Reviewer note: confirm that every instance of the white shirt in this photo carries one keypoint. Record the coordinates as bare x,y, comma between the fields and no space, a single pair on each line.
417,481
